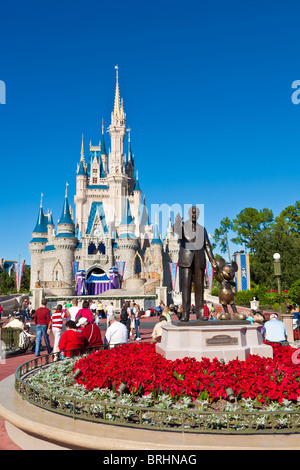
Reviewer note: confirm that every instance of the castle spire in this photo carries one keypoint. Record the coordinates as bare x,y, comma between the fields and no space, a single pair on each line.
117,108
66,213
129,156
41,223
82,152
103,147
66,193
156,236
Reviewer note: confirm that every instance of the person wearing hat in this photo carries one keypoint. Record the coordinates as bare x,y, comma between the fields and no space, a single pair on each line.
90,331
72,341
14,322
26,339
116,332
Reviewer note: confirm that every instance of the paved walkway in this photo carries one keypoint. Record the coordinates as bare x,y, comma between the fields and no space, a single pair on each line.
12,363
146,327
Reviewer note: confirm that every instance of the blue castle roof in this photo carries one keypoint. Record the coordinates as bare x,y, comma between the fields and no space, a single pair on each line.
127,217
96,207
66,214
81,169
156,236
41,223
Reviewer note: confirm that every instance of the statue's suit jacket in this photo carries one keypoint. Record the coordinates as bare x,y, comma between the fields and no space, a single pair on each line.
193,244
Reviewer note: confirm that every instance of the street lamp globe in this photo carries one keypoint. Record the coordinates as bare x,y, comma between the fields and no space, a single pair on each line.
276,256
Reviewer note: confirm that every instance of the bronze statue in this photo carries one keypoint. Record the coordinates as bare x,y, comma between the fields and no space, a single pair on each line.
194,243
225,275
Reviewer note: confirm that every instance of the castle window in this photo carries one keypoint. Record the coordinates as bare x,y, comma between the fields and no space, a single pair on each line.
94,180
101,248
92,249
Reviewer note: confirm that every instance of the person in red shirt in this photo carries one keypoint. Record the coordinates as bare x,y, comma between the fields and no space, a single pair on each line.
57,320
42,321
72,341
91,332
206,310
84,312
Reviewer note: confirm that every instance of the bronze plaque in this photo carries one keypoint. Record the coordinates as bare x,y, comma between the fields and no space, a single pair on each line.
221,340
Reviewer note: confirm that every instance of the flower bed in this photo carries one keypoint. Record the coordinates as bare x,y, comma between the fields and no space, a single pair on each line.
143,372
183,395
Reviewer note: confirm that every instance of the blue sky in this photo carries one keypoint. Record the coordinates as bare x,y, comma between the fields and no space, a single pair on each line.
207,94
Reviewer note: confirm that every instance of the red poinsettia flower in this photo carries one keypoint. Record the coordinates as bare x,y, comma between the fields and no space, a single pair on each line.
144,371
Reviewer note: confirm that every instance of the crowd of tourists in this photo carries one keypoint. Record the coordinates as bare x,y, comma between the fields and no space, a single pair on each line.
75,328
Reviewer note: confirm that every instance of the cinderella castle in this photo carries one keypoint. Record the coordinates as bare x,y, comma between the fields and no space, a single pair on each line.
109,245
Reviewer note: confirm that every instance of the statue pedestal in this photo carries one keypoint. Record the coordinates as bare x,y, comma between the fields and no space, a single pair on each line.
227,340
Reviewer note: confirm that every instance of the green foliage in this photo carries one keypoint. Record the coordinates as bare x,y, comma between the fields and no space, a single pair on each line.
289,220
221,236
249,223
7,283
262,236
266,296
25,284
261,263
294,292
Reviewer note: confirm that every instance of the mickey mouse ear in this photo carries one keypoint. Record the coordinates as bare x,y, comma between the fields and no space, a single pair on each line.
221,262
235,266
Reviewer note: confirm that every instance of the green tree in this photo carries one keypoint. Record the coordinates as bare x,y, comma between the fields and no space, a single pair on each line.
289,219
7,283
261,262
221,236
248,224
25,284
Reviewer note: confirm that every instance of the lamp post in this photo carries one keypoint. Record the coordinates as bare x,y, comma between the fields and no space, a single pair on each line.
277,272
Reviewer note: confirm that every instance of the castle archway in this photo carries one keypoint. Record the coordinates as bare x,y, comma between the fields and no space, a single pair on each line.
94,270
137,264
58,272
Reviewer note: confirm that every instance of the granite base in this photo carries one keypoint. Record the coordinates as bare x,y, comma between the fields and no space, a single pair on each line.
224,340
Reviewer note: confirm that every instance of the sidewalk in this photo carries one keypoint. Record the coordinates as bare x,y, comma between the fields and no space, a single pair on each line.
14,361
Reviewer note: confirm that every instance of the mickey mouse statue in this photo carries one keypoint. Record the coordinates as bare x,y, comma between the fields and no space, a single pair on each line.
225,276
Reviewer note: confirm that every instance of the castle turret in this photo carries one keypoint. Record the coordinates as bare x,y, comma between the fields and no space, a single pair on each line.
50,228
156,248
129,165
65,244
116,178
104,152
127,240
37,246
81,191
137,197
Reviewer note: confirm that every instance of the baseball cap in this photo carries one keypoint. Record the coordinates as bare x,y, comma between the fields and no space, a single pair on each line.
81,321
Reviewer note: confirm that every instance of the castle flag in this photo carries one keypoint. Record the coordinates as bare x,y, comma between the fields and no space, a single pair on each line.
242,276
121,268
19,269
209,274
173,273
75,266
